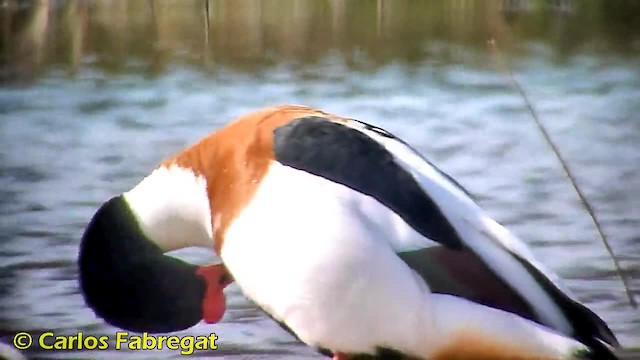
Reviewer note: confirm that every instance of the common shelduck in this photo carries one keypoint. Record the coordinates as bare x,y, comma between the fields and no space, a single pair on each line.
342,233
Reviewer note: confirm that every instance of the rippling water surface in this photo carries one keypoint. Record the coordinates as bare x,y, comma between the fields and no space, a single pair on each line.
94,94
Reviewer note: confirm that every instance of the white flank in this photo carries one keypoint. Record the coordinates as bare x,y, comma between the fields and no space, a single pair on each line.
457,317
480,233
317,255
172,208
320,257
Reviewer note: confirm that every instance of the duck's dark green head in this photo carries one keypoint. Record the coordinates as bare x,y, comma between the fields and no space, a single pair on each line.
126,278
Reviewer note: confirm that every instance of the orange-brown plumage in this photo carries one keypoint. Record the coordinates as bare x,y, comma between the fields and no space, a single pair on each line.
235,158
470,346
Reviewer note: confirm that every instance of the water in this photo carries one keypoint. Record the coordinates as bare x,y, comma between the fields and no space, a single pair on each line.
94,95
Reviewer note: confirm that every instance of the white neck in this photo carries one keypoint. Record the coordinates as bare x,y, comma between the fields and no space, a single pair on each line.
172,208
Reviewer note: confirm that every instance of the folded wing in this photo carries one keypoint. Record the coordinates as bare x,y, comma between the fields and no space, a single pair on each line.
476,258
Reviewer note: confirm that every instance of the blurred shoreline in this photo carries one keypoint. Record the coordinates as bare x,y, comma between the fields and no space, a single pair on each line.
246,35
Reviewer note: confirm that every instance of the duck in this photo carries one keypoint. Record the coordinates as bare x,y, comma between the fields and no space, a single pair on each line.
342,233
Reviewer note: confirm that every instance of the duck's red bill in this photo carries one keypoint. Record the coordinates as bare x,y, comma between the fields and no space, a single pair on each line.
214,303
